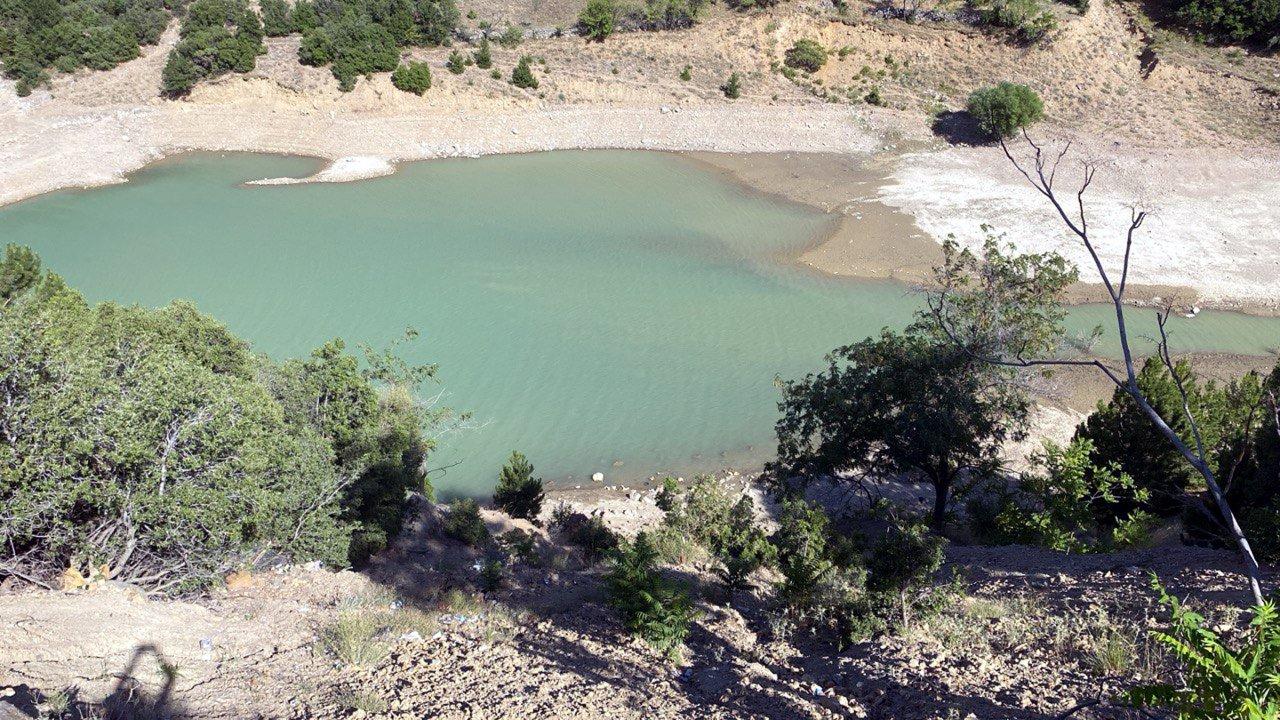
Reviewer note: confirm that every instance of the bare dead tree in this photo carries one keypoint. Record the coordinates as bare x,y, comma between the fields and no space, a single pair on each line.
1041,173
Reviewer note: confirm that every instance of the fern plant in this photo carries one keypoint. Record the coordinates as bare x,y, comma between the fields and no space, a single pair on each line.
1218,683
651,606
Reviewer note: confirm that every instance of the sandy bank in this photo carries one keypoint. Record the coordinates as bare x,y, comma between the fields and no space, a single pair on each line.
347,169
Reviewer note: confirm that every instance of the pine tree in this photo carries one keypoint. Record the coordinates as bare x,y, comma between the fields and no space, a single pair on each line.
522,75
519,493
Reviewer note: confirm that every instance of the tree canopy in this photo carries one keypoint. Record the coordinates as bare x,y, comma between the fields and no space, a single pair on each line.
153,446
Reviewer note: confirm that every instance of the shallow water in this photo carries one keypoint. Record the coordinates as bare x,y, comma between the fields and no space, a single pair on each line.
621,312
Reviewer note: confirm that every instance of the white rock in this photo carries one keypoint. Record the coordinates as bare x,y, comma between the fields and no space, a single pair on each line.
597,477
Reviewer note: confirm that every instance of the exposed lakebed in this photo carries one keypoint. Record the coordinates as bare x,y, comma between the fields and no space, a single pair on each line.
621,312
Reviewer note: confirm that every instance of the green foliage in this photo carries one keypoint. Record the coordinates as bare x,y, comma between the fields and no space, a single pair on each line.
807,55
1070,506
732,88
521,545
686,73
463,523
1003,110
217,37
67,35
899,403
483,57
651,606
903,559
277,18
519,493
1218,682
665,14
1231,20
1029,19
511,37
155,443
708,516
522,75
457,63
741,546
492,575
820,589
414,77
351,46
665,499
598,19
592,535
752,4
362,37
873,97
1122,434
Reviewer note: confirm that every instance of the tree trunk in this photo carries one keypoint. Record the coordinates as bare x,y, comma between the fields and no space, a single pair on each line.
941,490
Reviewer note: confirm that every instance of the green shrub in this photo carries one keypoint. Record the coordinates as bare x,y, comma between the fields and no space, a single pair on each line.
522,75
413,77
904,559
732,88
482,56
464,523
1071,506
362,37
686,73
1004,109
492,575
511,37
752,4
741,546
1028,18
651,606
68,35
591,534
457,63
201,455
873,97
1231,20
668,495
519,493
277,18
521,545
1218,682
598,19
806,55
665,14
701,512
217,37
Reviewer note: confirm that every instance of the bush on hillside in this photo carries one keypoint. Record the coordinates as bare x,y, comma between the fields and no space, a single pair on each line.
217,37
598,19
277,17
413,77
67,35
1071,504
483,57
463,523
651,606
1003,110
1217,681
518,493
1030,20
665,14
741,546
1232,20
151,446
361,37
806,55
522,74
732,88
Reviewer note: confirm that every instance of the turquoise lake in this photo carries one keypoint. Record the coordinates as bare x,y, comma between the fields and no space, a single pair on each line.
620,312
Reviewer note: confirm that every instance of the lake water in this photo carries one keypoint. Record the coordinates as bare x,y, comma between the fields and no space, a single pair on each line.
621,312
